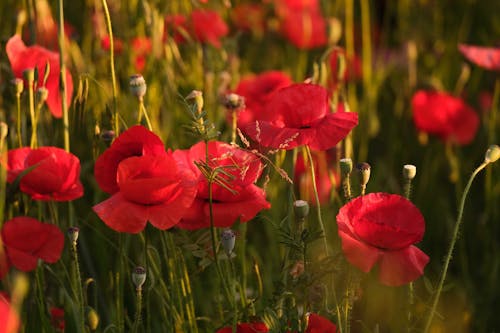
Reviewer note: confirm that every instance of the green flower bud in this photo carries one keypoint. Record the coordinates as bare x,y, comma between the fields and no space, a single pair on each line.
301,208
139,277
137,85
492,154
345,166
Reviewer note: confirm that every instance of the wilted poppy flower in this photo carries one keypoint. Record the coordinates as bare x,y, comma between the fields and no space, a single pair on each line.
22,57
244,199
246,328
300,115
319,324
444,115
381,228
136,141
486,57
54,175
208,27
257,91
9,319
26,240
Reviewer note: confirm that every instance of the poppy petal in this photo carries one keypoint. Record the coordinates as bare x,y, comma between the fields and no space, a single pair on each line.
359,254
333,129
401,267
122,215
486,57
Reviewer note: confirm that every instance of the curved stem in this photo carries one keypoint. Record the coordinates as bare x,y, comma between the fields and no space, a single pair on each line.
62,77
451,247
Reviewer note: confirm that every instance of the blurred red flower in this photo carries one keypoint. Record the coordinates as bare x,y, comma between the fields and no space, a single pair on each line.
300,115
141,48
208,27
351,72
9,319
257,91
444,115
57,318
22,57
26,240
249,17
319,324
176,27
382,228
246,200
246,328
136,141
485,57
117,44
55,174
146,183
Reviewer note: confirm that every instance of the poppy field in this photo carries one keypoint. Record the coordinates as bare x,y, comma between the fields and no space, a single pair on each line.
249,166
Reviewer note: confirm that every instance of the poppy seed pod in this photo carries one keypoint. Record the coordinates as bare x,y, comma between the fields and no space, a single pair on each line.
42,94
233,101
19,85
137,85
228,240
301,208
409,171
364,169
345,166
73,233
492,154
29,74
108,136
139,277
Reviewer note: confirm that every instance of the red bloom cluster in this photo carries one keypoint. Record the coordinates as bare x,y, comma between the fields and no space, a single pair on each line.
145,181
26,240
257,327
9,319
382,228
244,200
54,173
257,91
22,57
302,23
444,115
249,17
486,57
300,115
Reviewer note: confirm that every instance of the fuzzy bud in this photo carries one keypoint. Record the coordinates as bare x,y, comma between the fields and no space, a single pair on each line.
19,85
92,318
364,169
409,171
345,166
139,277
73,233
492,154
301,208
137,85
228,240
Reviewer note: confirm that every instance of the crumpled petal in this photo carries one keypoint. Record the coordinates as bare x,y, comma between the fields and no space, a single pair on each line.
397,268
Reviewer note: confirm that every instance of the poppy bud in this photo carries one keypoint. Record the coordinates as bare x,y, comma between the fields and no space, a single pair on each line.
228,239
4,130
29,74
19,85
345,166
137,85
364,170
233,101
198,98
492,154
301,208
139,277
42,93
409,171
92,318
335,30
73,233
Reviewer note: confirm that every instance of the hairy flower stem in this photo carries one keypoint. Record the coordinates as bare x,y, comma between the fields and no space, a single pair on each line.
143,111
40,297
19,121
138,309
76,281
411,291
31,99
116,124
62,77
451,247
234,120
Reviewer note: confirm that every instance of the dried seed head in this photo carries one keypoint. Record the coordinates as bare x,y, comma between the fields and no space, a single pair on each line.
492,154
108,135
228,240
364,170
345,166
139,276
409,171
301,208
73,233
233,101
137,85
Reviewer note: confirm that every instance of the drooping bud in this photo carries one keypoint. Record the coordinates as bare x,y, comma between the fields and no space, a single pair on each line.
137,85
345,166
301,208
73,233
228,240
492,154
364,170
139,277
19,86
409,171
92,318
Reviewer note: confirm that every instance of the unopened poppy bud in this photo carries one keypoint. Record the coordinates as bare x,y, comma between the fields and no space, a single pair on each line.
301,208
21,288
334,30
228,239
4,130
198,98
139,277
409,171
108,135
73,233
492,154
92,318
233,101
29,74
364,169
137,85
345,166
42,93
19,85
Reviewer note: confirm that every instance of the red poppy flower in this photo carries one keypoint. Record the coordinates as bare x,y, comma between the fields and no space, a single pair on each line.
486,57
9,319
319,324
257,91
382,228
208,27
141,48
22,57
246,328
55,174
444,115
326,177
300,115
136,141
249,17
26,240
176,26
117,44
352,69
247,199
57,318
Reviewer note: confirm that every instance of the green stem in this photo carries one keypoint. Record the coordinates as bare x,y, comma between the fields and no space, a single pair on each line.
451,247
234,115
138,310
77,284
42,310
19,120
31,99
62,77
143,111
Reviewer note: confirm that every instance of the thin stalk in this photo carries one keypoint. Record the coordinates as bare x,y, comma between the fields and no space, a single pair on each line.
116,125
40,297
31,99
411,290
62,77
351,89
77,284
451,247
119,285
138,309
19,120
234,120
143,111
